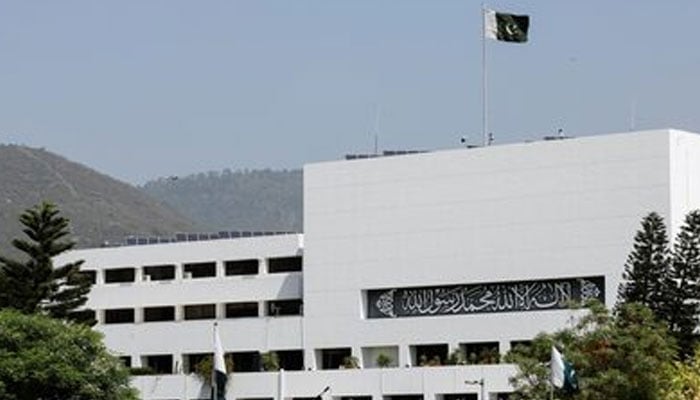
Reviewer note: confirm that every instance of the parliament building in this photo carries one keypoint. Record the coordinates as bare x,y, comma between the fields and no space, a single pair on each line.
414,275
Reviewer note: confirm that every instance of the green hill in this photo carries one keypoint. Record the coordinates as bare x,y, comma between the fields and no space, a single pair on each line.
101,209
258,200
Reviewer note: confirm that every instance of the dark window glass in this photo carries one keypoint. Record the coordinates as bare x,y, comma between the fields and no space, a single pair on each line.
334,358
284,264
88,313
90,274
239,310
523,343
194,359
241,267
154,314
291,360
118,275
460,396
119,316
246,361
201,270
200,311
160,364
126,361
278,308
160,272
430,355
482,353
405,397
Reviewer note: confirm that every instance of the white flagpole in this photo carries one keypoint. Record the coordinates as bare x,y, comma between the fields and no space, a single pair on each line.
484,94
213,367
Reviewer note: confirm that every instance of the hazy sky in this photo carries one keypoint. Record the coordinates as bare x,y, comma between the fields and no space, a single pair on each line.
142,89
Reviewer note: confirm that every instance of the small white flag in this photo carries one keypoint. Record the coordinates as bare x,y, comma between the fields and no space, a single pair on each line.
557,364
219,376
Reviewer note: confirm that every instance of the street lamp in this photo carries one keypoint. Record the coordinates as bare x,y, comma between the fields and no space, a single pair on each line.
479,382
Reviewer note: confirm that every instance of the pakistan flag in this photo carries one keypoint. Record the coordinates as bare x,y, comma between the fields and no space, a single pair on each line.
563,373
506,27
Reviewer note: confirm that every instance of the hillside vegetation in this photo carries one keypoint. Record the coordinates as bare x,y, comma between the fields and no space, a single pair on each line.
100,208
259,200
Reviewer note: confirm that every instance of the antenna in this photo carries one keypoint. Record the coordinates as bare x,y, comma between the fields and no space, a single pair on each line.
375,128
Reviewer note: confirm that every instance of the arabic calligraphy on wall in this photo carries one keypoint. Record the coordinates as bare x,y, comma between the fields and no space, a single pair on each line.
552,294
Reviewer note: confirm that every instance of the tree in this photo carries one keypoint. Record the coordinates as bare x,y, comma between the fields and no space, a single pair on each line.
616,356
646,275
44,358
684,287
684,379
35,284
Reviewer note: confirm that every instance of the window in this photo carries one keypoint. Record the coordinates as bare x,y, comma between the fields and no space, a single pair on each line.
155,314
523,343
119,275
284,264
460,396
119,316
126,361
246,361
201,270
90,274
160,364
481,353
334,358
278,308
291,360
380,356
240,310
191,360
159,272
88,313
241,267
404,397
200,311
429,355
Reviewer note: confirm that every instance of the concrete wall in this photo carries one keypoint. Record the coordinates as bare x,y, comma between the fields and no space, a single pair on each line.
431,382
566,208
180,337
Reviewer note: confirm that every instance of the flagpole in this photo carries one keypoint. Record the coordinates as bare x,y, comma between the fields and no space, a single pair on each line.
213,368
484,95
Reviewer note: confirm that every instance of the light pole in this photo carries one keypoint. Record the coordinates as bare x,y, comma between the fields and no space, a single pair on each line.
320,395
479,382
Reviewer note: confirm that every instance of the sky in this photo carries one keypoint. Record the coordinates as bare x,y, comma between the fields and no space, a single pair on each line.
146,89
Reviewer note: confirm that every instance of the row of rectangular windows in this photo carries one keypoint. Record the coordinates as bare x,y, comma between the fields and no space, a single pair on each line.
198,270
244,361
439,396
273,308
479,353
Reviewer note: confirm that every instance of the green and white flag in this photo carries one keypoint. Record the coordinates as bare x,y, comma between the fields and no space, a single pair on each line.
563,373
506,27
219,376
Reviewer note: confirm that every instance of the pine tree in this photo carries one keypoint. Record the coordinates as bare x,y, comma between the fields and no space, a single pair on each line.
646,275
34,285
685,287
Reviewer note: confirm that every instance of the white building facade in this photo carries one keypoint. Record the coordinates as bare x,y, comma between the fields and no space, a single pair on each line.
403,261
